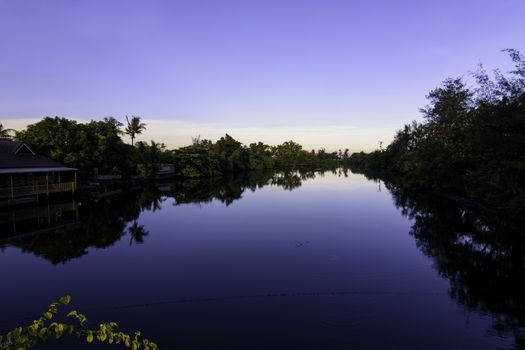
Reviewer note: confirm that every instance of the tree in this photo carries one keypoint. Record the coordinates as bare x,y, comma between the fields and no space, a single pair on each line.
134,127
6,133
94,147
471,142
148,158
289,155
259,156
230,154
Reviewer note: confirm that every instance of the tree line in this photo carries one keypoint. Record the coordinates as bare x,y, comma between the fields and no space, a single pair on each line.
471,142
97,147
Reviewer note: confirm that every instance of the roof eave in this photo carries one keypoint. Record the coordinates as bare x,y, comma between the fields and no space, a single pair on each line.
35,170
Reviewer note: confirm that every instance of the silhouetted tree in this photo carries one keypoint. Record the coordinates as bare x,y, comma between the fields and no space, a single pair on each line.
134,127
6,133
471,142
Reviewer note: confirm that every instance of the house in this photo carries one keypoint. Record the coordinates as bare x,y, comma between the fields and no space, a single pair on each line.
24,173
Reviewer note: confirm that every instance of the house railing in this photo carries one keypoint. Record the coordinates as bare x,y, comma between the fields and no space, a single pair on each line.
28,213
28,190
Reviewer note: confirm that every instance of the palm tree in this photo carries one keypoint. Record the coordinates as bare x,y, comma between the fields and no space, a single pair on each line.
114,125
137,233
134,127
5,133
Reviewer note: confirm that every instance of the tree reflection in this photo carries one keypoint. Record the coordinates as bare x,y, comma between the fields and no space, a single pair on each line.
104,219
288,181
137,233
481,253
228,189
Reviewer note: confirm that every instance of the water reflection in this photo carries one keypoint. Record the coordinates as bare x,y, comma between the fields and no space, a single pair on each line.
481,253
62,232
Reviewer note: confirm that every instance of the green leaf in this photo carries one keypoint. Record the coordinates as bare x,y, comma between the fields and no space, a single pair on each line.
102,336
72,313
48,315
82,319
89,338
65,299
42,334
53,309
33,329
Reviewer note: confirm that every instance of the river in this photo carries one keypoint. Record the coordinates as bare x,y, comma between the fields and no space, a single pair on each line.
315,260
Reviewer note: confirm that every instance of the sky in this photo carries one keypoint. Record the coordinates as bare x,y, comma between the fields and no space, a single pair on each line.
331,74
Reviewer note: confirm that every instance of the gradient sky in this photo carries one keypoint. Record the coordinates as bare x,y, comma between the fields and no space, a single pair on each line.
325,73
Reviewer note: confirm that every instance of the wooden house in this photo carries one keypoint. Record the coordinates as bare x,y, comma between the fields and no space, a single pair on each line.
24,173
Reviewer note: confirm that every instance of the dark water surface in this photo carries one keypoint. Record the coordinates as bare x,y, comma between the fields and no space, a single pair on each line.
264,261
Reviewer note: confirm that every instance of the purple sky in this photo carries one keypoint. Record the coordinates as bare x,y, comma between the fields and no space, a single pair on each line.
324,73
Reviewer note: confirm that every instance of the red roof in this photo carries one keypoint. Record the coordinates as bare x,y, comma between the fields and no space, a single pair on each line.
17,154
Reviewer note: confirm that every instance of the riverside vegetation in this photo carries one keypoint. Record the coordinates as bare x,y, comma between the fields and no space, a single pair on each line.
97,147
470,145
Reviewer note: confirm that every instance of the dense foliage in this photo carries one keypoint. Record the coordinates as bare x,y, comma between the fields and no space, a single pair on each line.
227,155
471,143
97,148
94,147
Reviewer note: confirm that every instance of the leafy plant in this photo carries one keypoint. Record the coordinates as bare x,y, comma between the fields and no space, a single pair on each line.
41,329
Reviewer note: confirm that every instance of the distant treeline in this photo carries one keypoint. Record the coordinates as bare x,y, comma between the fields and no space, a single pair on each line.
97,148
471,143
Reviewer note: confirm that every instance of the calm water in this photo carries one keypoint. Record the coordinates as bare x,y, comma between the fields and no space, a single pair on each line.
321,261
